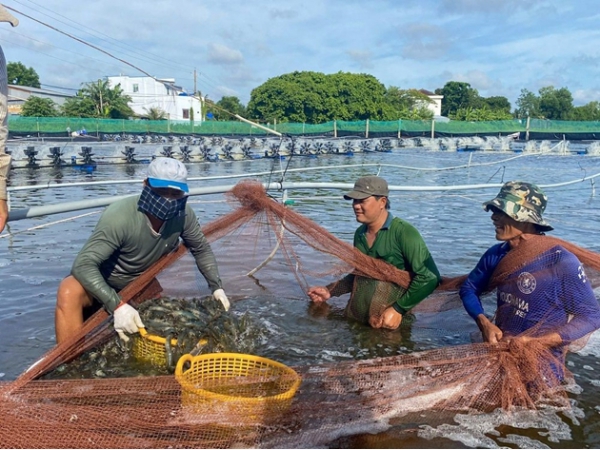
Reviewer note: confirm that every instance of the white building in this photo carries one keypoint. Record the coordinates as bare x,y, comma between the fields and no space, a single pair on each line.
162,94
436,102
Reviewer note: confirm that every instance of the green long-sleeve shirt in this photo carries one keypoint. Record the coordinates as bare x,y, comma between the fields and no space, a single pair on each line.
123,245
401,245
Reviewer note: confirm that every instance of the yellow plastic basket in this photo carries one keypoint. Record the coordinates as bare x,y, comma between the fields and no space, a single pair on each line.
236,388
151,348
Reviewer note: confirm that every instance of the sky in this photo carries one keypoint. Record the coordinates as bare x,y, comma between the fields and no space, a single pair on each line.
499,47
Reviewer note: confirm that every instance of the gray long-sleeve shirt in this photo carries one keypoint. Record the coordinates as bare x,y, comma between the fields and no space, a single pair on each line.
123,245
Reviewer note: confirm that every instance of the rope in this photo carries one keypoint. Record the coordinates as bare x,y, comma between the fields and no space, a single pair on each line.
10,234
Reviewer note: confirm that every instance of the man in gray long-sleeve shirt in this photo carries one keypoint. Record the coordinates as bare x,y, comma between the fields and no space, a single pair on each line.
131,235
5,16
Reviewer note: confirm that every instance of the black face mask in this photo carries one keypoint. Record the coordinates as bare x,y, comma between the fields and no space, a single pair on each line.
160,207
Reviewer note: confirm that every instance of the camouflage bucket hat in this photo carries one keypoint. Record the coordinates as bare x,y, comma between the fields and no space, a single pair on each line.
524,202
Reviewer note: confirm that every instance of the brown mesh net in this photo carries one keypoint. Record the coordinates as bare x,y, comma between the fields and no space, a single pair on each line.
334,399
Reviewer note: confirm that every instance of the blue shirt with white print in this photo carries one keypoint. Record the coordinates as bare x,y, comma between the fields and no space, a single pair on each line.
551,293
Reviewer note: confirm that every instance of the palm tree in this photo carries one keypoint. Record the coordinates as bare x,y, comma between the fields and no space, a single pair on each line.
155,113
108,102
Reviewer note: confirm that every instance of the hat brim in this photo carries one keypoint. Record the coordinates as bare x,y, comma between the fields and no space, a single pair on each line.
495,203
357,195
542,225
5,16
158,183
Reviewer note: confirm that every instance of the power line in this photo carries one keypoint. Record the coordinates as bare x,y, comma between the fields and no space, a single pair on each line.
59,87
52,45
80,40
49,56
89,44
151,58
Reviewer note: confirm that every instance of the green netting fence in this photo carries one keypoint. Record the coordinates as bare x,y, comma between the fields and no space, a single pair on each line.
532,129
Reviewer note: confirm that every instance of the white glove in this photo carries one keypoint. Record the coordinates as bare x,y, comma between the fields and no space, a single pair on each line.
219,294
127,320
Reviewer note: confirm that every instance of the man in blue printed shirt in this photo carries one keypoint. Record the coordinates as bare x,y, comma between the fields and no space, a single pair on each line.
543,293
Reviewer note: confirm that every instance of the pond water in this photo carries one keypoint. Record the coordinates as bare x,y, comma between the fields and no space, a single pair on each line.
35,254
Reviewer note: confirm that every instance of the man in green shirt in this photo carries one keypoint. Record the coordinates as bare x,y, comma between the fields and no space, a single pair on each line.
395,241
131,235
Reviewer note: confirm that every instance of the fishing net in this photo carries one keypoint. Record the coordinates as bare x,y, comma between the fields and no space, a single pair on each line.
272,252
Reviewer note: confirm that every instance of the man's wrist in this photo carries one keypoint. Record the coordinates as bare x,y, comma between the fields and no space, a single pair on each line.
399,309
121,303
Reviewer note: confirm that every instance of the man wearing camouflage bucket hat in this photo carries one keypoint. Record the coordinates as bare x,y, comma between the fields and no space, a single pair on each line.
543,294
523,202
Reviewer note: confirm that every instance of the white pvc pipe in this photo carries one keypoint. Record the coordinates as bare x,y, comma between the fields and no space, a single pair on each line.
36,211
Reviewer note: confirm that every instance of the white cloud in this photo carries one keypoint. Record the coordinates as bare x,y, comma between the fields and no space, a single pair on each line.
488,6
423,41
276,13
478,80
221,54
499,46
364,58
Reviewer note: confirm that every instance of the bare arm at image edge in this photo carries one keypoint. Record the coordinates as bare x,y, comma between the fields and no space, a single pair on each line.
4,157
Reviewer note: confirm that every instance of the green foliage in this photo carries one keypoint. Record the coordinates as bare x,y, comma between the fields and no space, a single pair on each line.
407,104
155,113
462,102
99,100
497,104
39,107
458,95
528,105
588,113
552,104
483,114
314,97
78,106
226,107
20,75
555,104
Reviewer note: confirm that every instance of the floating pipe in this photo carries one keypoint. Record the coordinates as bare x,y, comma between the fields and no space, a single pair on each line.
36,211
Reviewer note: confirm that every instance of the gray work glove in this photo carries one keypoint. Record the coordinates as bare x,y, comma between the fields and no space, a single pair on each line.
219,294
127,320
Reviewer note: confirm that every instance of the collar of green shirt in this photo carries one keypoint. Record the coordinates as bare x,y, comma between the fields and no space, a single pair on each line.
385,226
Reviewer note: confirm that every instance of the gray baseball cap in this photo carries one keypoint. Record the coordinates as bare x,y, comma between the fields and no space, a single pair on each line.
368,186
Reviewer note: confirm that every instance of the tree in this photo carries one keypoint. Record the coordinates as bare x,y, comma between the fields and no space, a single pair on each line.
555,104
227,106
209,108
78,106
481,114
589,112
20,75
528,105
497,103
314,97
39,107
458,95
155,113
98,99
409,104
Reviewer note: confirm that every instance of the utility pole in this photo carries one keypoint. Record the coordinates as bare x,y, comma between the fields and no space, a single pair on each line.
199,99
101,105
